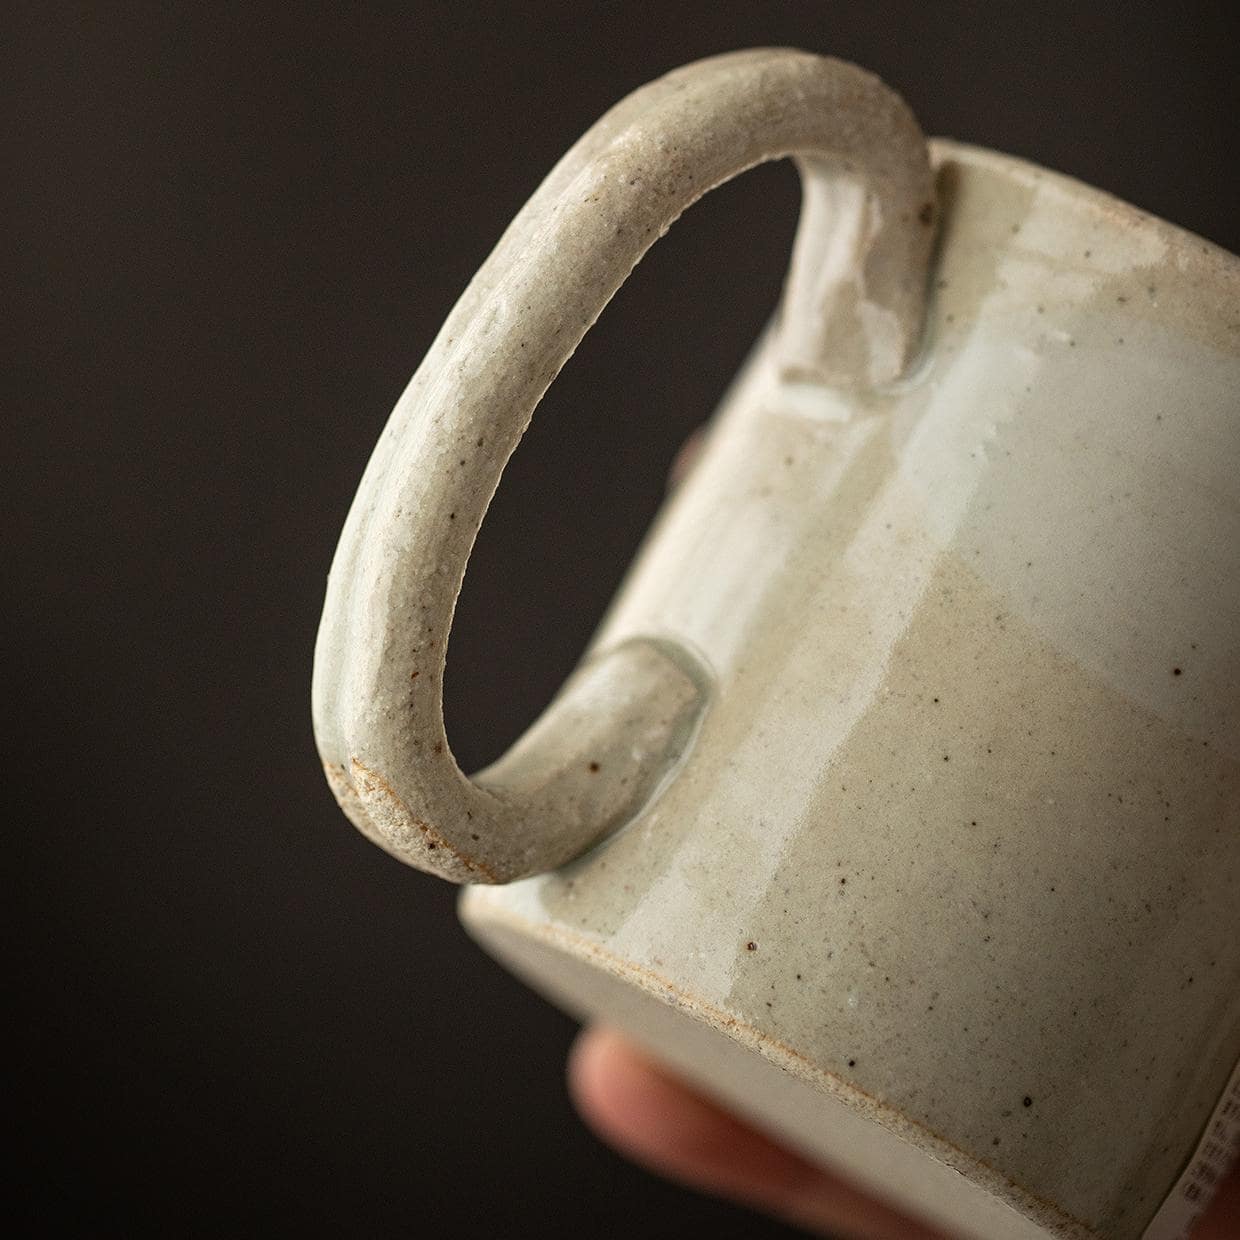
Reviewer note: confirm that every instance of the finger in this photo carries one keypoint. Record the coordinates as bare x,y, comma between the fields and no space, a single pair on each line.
660,1123
689,452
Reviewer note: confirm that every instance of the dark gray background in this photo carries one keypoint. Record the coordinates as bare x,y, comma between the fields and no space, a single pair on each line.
232,234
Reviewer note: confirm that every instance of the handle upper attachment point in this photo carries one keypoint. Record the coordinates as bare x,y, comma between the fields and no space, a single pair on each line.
851,316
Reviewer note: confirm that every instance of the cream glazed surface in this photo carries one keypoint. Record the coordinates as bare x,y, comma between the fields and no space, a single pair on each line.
957,839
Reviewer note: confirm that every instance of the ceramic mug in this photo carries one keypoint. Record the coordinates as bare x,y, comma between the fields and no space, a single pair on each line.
897,800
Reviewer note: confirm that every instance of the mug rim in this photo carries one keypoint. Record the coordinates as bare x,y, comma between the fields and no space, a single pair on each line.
1120,212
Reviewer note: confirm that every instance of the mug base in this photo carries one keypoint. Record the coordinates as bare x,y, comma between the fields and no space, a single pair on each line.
822,1117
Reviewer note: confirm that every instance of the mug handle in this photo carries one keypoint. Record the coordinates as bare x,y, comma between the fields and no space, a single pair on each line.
851,316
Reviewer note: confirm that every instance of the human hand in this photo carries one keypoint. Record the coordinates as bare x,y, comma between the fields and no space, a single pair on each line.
658,1122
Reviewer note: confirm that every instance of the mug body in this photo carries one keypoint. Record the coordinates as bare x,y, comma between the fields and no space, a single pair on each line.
944,888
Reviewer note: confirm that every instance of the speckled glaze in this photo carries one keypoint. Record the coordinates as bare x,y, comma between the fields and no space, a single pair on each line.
938,878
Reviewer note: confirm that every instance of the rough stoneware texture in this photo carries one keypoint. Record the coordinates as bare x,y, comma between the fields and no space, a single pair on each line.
852,316
957,843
